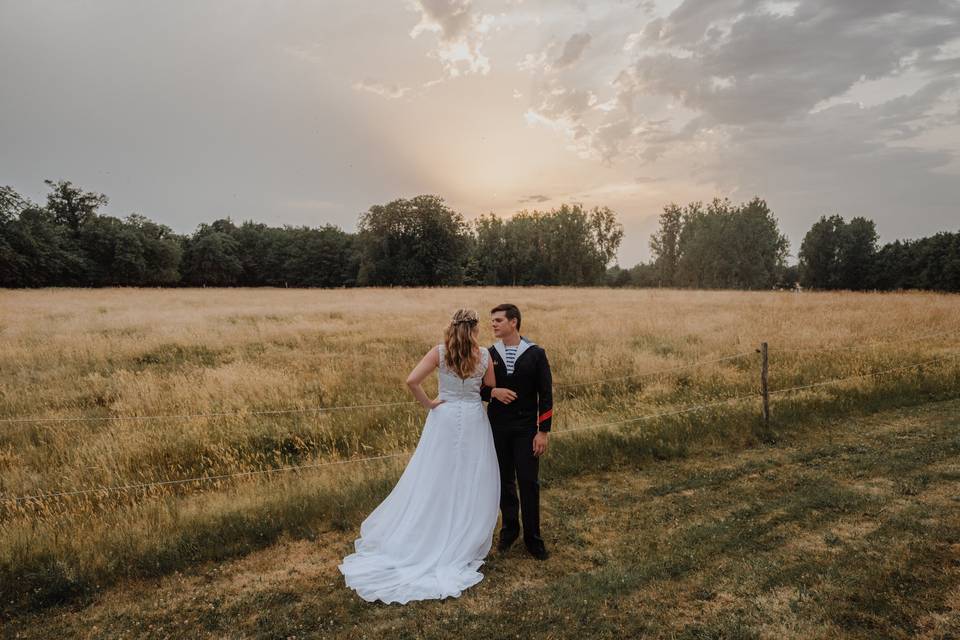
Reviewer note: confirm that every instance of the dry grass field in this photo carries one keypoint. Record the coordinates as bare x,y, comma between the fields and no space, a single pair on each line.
228,381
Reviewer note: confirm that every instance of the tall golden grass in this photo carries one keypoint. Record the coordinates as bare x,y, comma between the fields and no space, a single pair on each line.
141,352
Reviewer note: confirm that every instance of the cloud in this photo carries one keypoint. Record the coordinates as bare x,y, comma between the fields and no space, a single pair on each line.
387,90
534,198
837,161
572,50
737,62
533,61
631,42
714,67
460,34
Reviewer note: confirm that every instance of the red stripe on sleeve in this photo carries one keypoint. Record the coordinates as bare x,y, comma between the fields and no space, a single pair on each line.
546,414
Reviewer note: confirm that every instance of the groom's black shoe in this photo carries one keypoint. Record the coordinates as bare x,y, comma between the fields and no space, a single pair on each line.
540,553
506,543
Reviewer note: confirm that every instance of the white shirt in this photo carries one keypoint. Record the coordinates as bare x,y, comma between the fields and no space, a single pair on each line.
511,357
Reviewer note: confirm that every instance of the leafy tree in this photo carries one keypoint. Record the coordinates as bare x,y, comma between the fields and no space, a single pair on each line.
564,246
727,246
488,262
416,242
41,252
160,247
525,252
72,206
836,254
858,254
606,233
789,277
258,249
323,257
665,244
617,277
35,251
210,258
820,253
100,238
11,204
12,263
927,263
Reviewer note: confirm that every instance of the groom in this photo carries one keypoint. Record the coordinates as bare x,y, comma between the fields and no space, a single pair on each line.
520,409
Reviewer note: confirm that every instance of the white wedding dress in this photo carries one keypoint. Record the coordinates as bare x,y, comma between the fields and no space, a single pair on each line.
427,539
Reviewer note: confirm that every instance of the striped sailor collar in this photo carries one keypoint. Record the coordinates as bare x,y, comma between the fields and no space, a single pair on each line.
523,346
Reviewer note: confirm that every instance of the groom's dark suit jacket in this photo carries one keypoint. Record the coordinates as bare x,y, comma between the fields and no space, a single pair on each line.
533,384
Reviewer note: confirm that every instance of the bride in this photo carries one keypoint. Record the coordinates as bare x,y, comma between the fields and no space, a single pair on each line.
427,539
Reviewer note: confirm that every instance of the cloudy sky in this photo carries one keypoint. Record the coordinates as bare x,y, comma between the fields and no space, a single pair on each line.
310,112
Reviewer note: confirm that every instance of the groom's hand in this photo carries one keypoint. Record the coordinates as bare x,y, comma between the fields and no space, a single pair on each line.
540,443
506,396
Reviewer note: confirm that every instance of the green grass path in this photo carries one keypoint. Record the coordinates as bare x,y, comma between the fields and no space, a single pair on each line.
846,530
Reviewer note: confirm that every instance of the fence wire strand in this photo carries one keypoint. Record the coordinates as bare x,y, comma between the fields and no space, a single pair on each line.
864,375
690,365
34,420
689,409
868,345
146,485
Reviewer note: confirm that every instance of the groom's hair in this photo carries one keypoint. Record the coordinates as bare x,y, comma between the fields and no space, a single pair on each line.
509,310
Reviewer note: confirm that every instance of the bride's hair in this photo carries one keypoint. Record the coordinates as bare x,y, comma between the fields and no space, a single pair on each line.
460,342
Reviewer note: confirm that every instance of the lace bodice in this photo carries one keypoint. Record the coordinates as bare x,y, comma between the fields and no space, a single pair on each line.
453,388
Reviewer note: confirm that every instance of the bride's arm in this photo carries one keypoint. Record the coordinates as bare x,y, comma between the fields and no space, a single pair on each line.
429,362
489,376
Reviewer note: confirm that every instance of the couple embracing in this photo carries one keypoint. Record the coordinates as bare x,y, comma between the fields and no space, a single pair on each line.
429,536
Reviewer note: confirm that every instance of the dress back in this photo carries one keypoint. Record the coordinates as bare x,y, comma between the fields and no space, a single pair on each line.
453,388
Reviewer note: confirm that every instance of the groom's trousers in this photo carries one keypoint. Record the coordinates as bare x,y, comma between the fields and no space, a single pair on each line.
519,467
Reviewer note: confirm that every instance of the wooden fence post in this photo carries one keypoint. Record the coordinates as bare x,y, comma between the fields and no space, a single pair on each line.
764,389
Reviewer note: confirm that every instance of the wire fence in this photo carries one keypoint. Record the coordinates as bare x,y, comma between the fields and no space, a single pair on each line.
375,405
296,410
222,476
868,374
145,485
699,363
208,415
870,345
689,409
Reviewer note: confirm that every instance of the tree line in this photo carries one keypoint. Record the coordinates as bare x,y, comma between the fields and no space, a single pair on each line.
406,242
722,245
422,242
846,255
